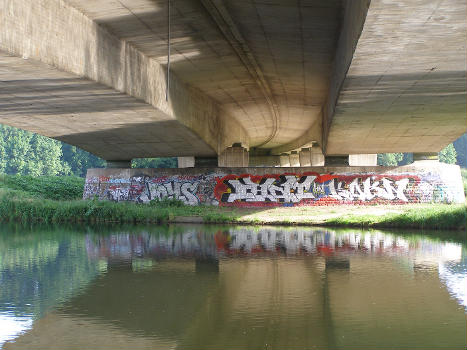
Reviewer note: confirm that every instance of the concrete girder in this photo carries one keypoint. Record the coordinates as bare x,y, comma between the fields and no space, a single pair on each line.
228,27
405,90
46,31
273,76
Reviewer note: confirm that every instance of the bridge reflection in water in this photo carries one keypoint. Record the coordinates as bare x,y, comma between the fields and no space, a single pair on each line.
220,287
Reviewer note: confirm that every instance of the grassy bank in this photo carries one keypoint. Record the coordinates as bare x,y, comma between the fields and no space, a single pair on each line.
24,199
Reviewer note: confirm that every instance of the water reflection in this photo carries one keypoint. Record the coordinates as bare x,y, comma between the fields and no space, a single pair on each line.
230,287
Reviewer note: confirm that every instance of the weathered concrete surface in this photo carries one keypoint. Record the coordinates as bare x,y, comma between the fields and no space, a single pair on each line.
405,90
266,187
59,35
277,76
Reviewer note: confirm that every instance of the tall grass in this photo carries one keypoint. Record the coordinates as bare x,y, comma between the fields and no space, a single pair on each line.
48,187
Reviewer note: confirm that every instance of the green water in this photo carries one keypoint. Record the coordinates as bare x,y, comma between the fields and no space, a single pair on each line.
227,287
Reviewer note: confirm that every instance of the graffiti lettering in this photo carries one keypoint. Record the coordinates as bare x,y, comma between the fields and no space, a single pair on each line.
367,189
295,189
183,191
288,189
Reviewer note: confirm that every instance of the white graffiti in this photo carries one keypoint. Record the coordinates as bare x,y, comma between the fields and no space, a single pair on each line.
385,188
291,189
183,191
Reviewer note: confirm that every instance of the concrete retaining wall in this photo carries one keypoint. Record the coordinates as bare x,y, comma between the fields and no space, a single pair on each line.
426,182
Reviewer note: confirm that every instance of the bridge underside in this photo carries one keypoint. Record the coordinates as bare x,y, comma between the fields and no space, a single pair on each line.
100,120
275,77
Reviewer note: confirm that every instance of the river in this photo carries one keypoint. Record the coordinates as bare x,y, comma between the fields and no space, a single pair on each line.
229,287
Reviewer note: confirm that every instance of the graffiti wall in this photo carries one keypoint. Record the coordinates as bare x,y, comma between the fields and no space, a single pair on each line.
282,189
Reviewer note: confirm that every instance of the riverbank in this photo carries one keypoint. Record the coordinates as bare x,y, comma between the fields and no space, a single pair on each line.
27,200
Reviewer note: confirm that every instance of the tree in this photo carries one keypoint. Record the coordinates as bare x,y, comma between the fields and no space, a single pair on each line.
17,148
154,163
80,161
460,146
26,153
390,159
45,157
448,155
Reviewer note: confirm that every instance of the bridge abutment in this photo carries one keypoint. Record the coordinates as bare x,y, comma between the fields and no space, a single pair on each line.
430,182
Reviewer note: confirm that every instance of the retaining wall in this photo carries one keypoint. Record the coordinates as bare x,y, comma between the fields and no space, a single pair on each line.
426,182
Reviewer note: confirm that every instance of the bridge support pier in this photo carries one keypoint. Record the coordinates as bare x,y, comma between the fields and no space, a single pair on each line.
305,157
235,156
317,156
294,158
186,162
363,159
284,160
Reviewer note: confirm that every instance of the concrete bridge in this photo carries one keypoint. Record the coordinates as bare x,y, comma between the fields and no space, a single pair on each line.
250,82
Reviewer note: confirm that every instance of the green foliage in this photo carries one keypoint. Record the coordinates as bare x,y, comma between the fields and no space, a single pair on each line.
461,150
389,159
26,153
49,187
22,152
464,180
167,203
154,163
448,154
394,159
79,161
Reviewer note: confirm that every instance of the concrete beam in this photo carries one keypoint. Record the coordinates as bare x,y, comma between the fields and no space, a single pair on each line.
354,18
307,139
406,93
233,35
56,34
